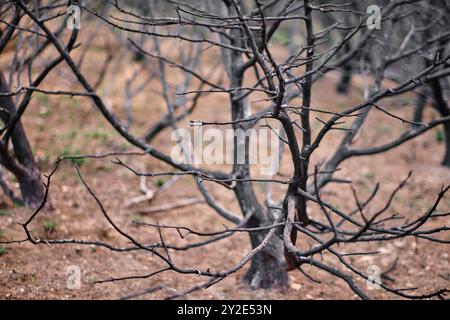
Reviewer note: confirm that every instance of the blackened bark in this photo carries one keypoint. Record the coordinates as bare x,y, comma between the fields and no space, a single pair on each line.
420,106
31,188
441,106
268,268
23,166
446,160
346,79
346,74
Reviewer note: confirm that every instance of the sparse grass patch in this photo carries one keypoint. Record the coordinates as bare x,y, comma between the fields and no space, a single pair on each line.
97,134
72,134
4,213
50,226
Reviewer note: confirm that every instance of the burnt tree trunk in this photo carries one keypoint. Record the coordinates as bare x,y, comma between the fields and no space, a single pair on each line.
441,106
421,102
446,160
22,164
346,78
346,74
268,267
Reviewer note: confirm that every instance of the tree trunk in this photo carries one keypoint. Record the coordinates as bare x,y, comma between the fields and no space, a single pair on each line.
31,188
420,107
268,268
346,75
446,160
441,106
346,79
23,165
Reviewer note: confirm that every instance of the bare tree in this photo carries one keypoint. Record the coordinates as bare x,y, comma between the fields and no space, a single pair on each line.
21,161
241,35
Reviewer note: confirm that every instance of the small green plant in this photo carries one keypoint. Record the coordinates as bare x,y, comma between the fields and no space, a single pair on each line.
159,182
439,136
50,226
3,250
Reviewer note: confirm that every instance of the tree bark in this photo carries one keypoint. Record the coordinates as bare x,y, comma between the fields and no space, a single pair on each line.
441,106
268,268
22,165
421,102
446,160
346,76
